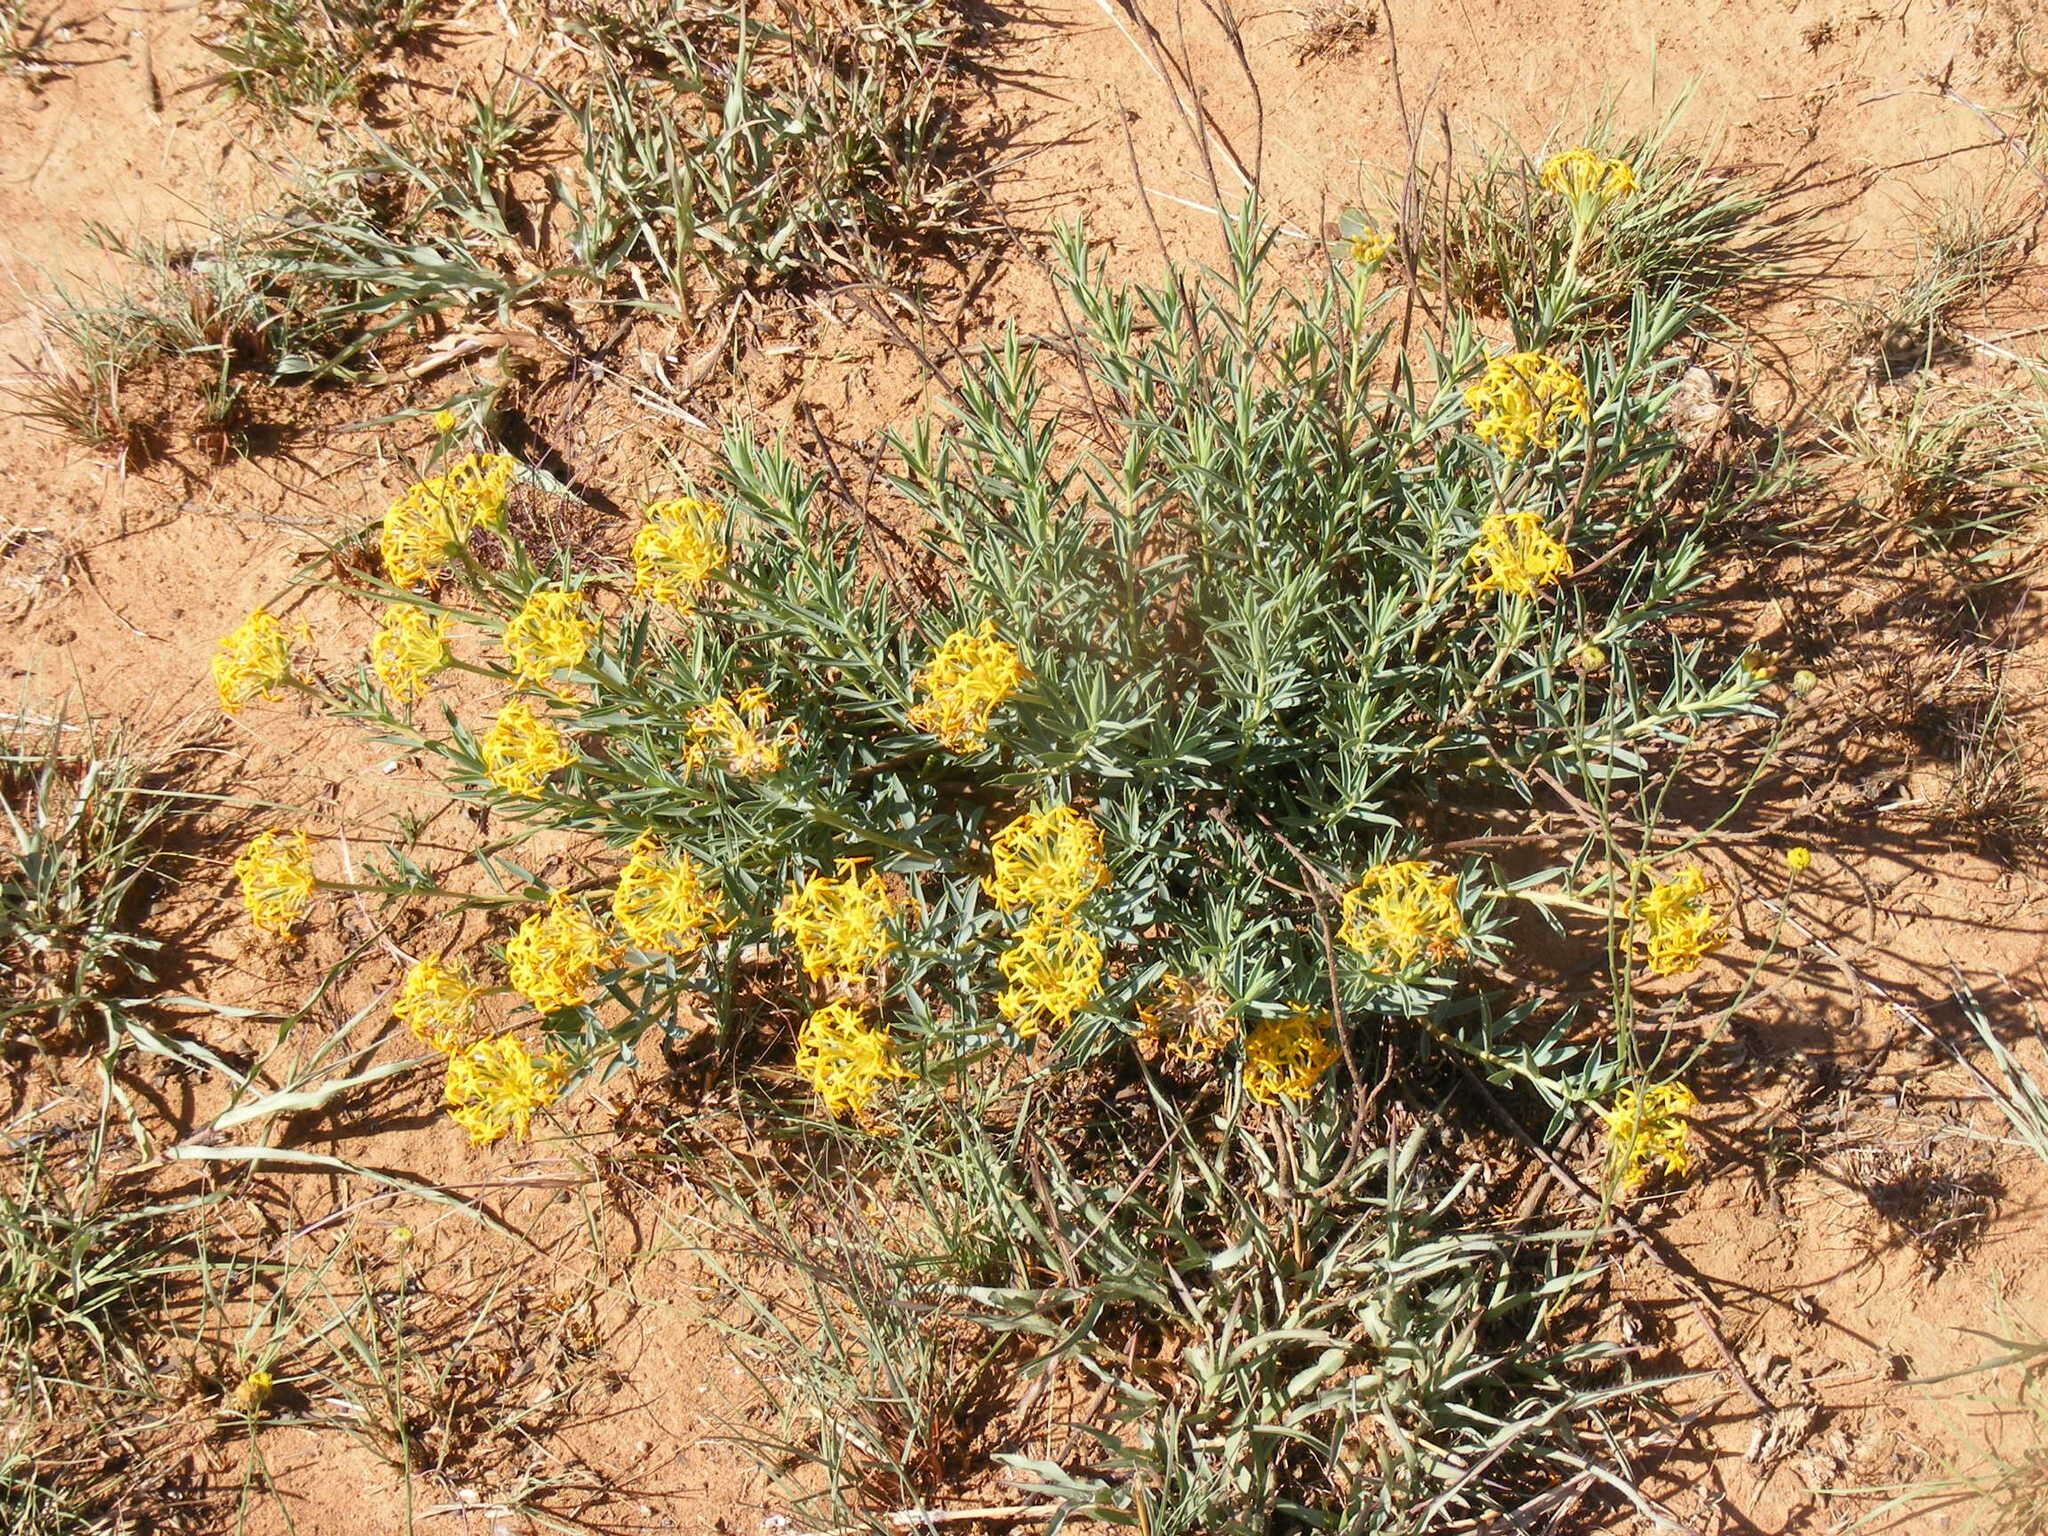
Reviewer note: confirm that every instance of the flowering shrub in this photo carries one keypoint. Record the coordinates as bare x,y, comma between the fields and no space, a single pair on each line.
438,1004
1165,740
1285,1058
1206,776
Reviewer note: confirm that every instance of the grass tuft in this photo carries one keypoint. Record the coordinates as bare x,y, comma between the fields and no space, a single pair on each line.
83,852
1968,252
284,56
1202,1319
1993,801
1953,473
1485,234
695,159
186,350
96,1278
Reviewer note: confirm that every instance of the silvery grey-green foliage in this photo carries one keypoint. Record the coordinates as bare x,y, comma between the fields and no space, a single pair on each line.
1235,552
81,846
1229,521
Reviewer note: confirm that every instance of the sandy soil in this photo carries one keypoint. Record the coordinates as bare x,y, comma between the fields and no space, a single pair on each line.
1827,1102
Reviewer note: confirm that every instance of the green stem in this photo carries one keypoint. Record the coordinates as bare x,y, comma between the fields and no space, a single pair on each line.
1556,899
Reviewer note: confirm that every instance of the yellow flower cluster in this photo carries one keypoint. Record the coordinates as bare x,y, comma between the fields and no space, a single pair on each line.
438,1004
1049,859
1054,970
1285,1058
407,649
970,674
252,661
548,634
738,734
554,959
1647,1133
1584,178
495,1085
846,1061
1518,555
424,527
1370,245
1402,913
840,925
663,904
478,483
276,874
1186,1021
1677,926
1523,400
679,548
522,748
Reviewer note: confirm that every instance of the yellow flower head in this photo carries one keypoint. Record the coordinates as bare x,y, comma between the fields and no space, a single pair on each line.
1524,399
1185,1021
1370,245
1676,925
253,660
663,904
407,649
1647,1133
477,485
968,676
252,1393
548,634
679,548
1799,859
522,748
740,735
1048,859
425,525
1285,1058
554,958
1518,555
1054,970
418,536
438,1004
495,1085
840,925
1399,914
444,422
1588,180
846,1061
276,872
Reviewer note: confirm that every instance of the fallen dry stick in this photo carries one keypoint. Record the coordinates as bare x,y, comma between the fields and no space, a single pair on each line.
913,1519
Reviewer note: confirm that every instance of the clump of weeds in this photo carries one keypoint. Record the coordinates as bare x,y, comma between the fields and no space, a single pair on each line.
1969,251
